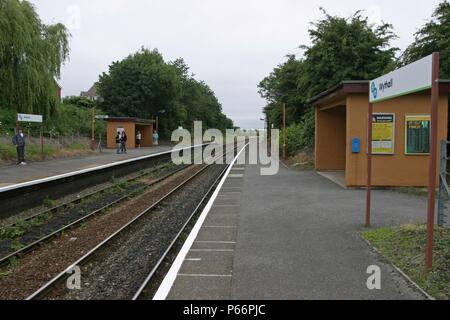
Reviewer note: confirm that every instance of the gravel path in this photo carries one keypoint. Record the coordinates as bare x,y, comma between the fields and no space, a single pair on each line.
117,271
38,267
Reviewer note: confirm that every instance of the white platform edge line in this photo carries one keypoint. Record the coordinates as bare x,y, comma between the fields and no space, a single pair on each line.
171,276
105,166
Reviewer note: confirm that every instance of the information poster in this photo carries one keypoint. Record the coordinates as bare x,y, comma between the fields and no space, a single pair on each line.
383,133
418,134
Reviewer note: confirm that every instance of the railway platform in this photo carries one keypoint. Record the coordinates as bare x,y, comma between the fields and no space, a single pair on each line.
12,174
290,236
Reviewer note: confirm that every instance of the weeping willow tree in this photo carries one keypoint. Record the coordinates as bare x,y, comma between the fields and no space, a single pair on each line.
31,56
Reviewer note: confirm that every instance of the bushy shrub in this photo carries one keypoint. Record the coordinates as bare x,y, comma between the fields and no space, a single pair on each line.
300,136
66,121
80,102
7,121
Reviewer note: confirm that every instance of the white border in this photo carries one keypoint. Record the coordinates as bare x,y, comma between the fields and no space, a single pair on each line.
169,280
75,173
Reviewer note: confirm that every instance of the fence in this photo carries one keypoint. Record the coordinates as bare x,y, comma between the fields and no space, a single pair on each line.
55,141
444,190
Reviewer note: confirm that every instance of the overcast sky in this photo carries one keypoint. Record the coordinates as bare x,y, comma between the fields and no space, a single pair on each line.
230,44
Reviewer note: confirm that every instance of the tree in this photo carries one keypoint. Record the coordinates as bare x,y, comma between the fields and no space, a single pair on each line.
143,84
31,56
342,49
80,102
433,36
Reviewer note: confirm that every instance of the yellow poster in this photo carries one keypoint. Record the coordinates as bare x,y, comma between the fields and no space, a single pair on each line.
383,139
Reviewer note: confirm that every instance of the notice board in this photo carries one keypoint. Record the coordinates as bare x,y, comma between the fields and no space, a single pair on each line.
383,133
418,129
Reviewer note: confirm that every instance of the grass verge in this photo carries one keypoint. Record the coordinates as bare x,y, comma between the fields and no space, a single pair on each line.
405,247
8,153
303,161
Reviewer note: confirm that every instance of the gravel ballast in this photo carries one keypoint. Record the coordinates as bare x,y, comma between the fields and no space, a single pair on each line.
27,275
117,271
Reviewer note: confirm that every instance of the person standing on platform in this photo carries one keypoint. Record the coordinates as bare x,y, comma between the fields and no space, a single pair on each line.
19,141
123,141
138,139
155,138
118,143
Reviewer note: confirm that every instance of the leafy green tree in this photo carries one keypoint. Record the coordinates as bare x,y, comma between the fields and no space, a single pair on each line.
433,36
31,56
80,102
143,85
342,49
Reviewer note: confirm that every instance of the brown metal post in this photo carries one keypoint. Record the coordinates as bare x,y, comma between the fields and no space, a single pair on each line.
369,168
17,123
433,162
42,142
269,137
284,133
93,130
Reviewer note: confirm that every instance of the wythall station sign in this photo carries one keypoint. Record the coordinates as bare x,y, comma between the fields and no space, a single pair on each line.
416,77
412,78
32,118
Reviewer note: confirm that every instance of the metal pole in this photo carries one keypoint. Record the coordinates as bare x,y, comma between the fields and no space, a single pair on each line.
157,124
442,184
17,123
93,130
284,133
433,162
369,168
269,136
42,141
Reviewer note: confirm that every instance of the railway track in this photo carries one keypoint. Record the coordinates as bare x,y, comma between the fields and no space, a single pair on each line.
50,233
146,240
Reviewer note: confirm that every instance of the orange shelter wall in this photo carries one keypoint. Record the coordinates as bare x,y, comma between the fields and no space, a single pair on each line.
112,132
330,139
398,170
147,135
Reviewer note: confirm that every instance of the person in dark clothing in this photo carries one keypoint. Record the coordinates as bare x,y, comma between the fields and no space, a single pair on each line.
118,143
19,141
123,141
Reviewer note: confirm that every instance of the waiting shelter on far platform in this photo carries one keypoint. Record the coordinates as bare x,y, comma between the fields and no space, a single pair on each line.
131,126
401,135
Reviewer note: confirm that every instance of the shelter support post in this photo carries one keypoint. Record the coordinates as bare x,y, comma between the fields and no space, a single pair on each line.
433,162
369,167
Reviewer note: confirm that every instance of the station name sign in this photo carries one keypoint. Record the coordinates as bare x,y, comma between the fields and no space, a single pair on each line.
412,78
29,118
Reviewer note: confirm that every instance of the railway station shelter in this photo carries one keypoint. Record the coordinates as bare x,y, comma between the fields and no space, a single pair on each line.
401,135
131,126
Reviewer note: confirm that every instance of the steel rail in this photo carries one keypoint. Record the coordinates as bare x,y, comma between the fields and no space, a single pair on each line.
151,275
90,215
12,197
80,199
177,237
41,293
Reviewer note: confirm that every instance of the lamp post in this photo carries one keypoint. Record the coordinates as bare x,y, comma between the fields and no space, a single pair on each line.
284,133
157,119
93,130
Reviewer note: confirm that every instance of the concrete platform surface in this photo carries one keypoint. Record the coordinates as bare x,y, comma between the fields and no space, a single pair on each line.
297,238
13,174
207,270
